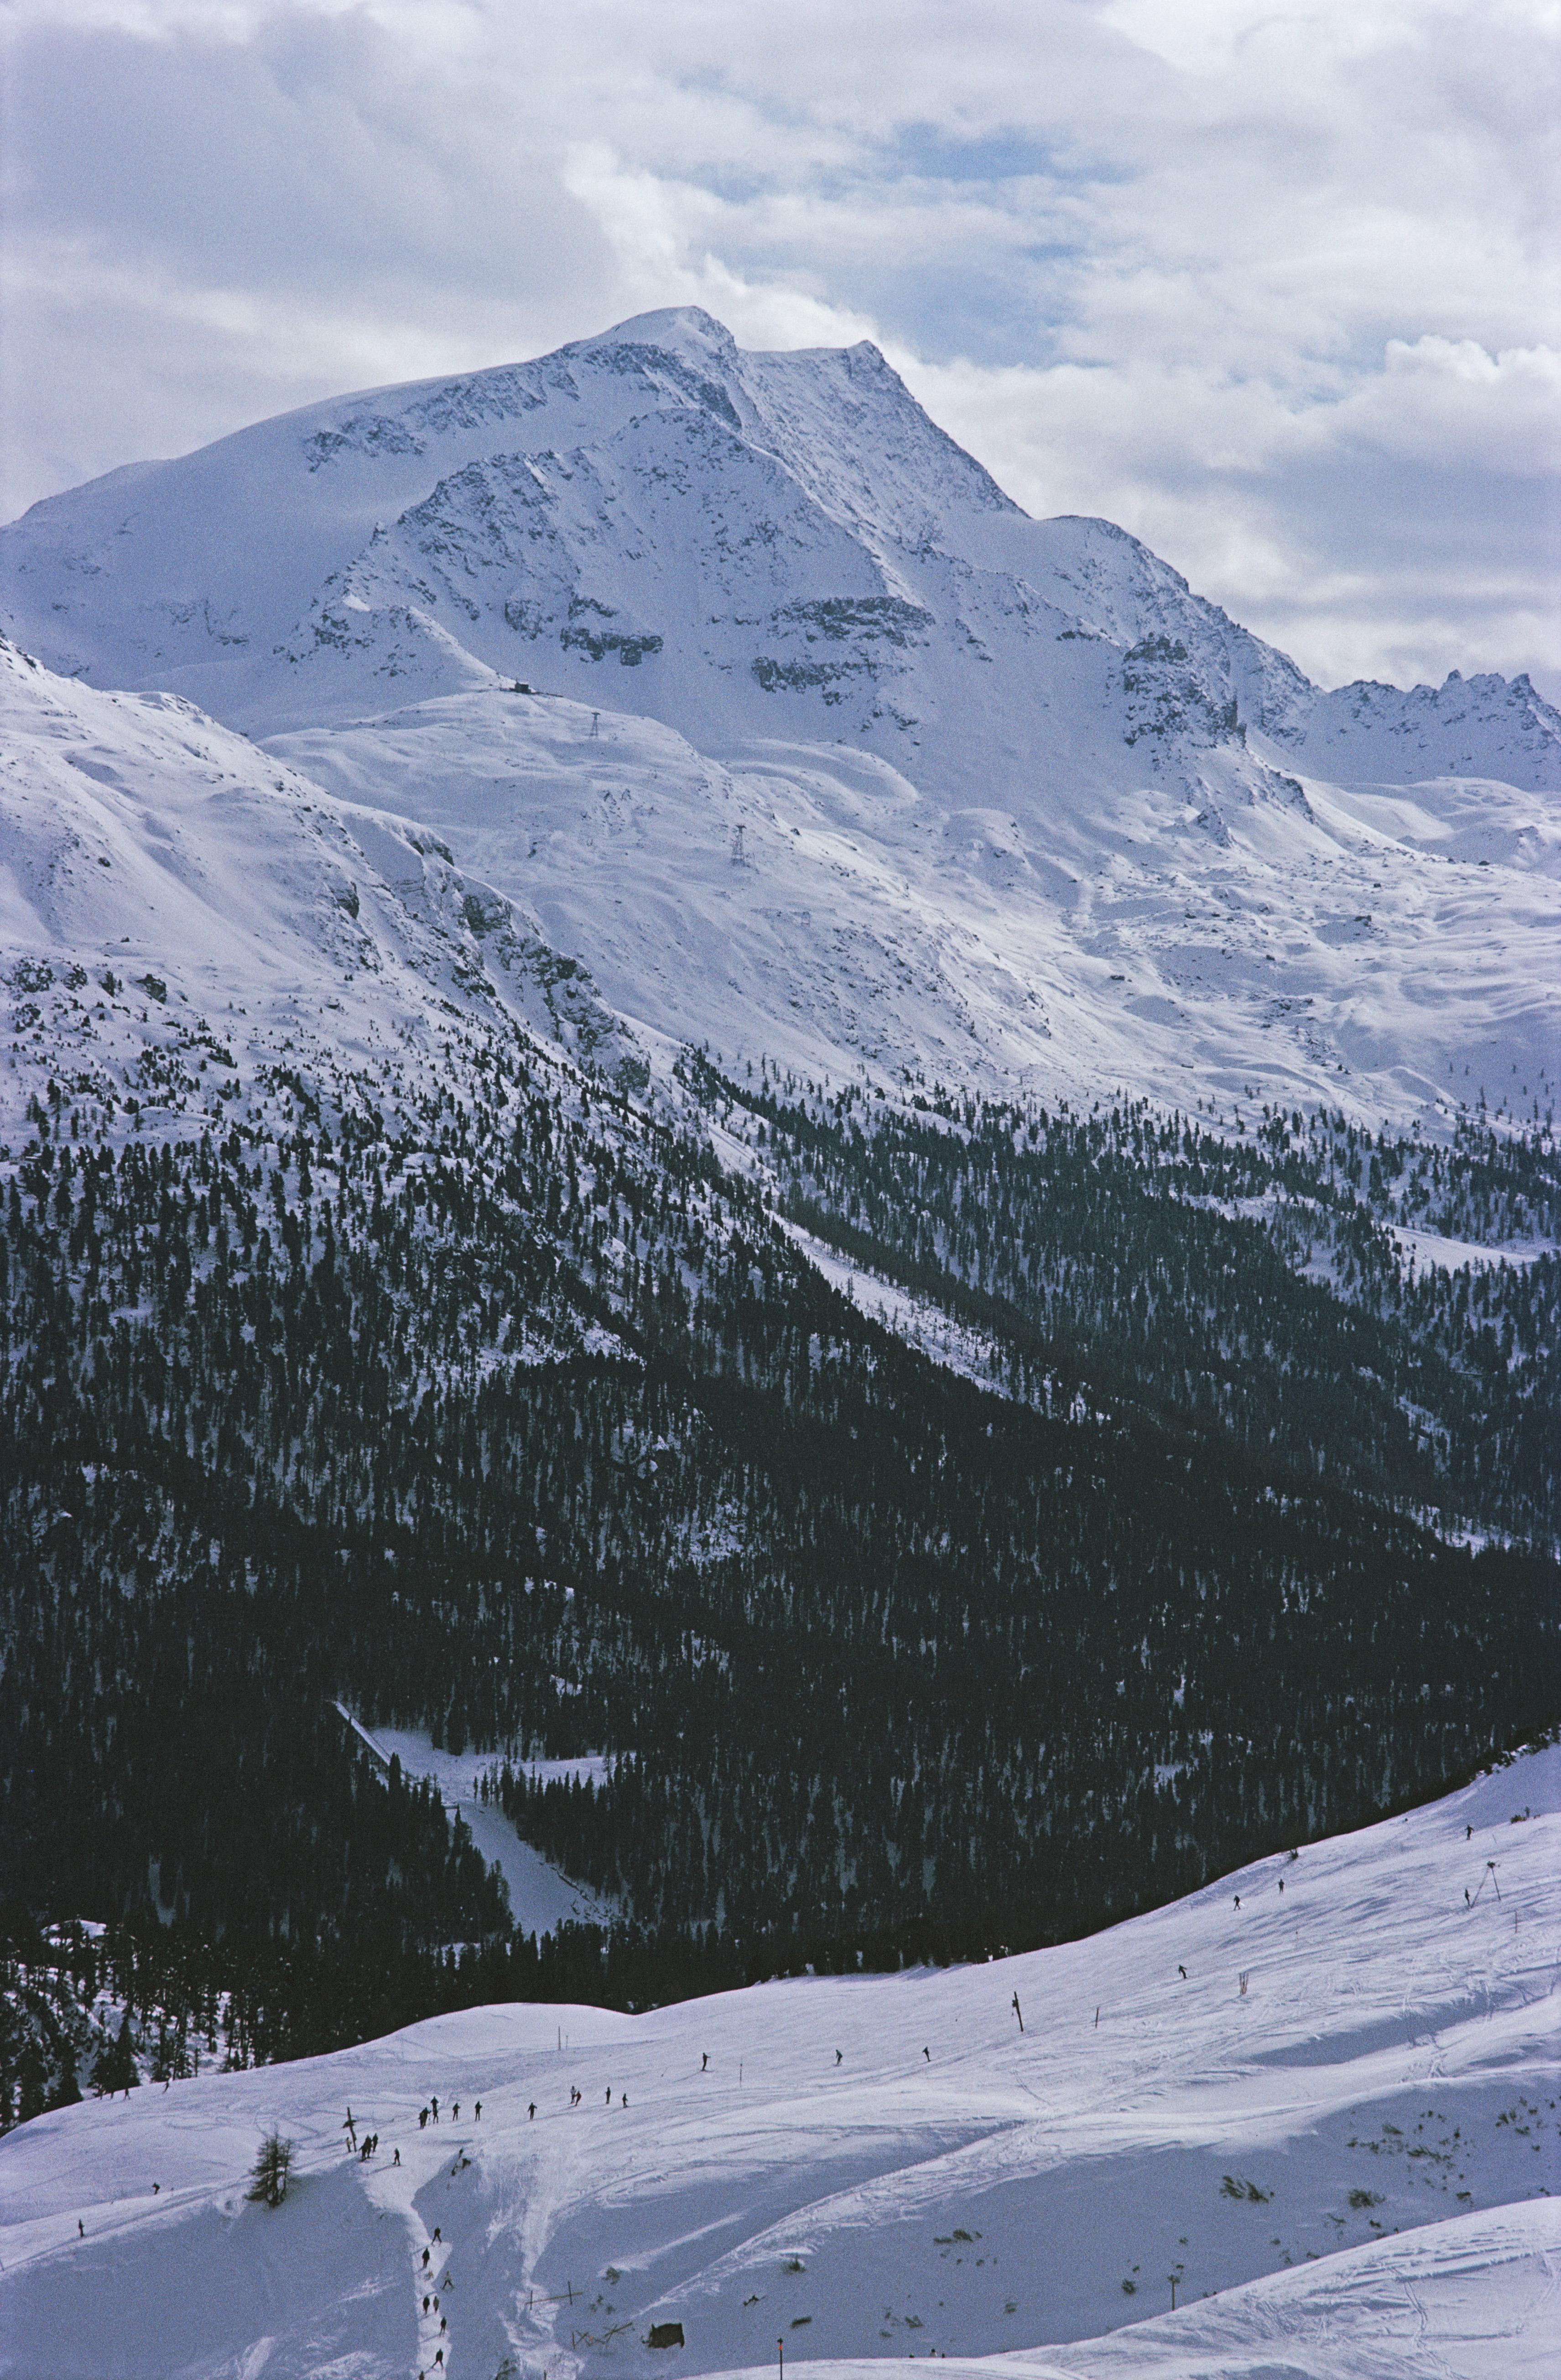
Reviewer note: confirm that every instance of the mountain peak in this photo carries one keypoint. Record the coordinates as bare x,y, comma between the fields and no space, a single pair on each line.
684,331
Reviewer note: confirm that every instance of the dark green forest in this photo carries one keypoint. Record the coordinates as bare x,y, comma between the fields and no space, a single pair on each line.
523,1421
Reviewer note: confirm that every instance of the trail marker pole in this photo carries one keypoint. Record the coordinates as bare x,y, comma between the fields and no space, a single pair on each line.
781,2352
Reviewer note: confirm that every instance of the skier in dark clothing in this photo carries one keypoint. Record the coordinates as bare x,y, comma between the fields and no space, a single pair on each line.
478,2111
531,2111
433,2103
422,2120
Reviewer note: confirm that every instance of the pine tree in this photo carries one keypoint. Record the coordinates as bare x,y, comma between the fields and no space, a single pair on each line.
268,2174
114,2068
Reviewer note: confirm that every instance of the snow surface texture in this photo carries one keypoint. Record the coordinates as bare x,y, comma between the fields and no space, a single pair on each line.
839,756
1346,2164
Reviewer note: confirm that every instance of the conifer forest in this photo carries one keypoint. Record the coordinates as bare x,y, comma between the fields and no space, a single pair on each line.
521,1419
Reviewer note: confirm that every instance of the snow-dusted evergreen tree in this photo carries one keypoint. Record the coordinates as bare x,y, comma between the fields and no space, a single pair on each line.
270,2173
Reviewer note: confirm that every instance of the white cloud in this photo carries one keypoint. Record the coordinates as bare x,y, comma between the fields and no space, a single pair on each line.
1270,280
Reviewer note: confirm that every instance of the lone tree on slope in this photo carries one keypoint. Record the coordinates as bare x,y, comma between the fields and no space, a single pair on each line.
268,2178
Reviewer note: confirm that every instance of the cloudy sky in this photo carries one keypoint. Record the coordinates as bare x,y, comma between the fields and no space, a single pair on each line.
1273,282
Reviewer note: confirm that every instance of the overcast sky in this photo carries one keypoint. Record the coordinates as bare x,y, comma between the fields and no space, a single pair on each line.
1273,282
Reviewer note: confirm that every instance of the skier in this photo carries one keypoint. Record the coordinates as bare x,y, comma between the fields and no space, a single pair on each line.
704,2062
838,2057
1237,1901
433,2100
1019,2012
928,2055
80,2227
396,2159
1181,1970
422,2120
531,2111
425,2259
610,2095
455,2112
625,2098
479,2111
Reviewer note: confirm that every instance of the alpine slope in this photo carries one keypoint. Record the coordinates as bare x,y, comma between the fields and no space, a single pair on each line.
1316,2102
775,714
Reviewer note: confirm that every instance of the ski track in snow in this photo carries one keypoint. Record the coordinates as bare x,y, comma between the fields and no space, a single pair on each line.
1391,2042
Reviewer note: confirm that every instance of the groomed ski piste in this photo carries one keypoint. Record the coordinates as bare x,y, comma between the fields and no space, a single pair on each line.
1329,2112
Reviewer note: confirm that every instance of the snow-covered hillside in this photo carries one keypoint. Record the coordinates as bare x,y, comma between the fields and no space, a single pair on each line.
882,771
180,915
1321,2096
812,903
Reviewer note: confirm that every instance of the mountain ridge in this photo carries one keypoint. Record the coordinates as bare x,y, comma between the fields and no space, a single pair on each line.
993,799
840,422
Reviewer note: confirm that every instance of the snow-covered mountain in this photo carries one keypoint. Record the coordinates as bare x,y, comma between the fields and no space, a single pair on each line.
836,754
180,915
1316,2102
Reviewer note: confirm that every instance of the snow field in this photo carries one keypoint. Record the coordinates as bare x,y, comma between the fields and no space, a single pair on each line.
1345,2166
812,904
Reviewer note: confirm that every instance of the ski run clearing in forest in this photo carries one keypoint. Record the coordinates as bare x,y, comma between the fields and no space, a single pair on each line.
1338,2132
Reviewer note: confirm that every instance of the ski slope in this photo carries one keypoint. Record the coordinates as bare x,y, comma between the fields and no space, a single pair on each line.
541,1897
1349,2167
